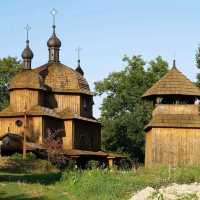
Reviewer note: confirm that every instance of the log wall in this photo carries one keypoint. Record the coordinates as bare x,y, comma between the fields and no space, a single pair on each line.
172,146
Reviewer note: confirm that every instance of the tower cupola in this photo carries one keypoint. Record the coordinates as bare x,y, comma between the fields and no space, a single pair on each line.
27,54
54,42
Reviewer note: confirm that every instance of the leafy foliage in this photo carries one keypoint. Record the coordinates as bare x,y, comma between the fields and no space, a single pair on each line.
198,65
18,156
8,68
55,152
123,113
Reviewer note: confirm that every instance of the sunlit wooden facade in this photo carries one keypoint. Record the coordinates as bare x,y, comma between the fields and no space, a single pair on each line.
173,134
56,99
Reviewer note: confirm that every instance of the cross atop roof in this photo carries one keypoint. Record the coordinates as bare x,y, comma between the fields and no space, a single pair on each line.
27,28
53,13
78,50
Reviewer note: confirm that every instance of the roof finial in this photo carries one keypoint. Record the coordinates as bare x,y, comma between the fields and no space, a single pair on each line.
174,63
78,50
28,28
78,69
53,13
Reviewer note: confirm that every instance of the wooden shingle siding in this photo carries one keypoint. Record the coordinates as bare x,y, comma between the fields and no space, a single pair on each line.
60,78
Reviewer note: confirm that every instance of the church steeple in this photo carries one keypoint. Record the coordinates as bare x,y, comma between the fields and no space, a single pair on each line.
27,53
54,43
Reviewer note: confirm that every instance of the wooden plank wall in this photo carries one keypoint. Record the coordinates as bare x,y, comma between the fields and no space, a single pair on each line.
86,103
20,98
10,122
148,148
68,139
172,146
37,129
176,109
87,135
52,125
34,127
68,101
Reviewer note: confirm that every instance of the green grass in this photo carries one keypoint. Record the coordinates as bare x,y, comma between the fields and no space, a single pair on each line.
90,184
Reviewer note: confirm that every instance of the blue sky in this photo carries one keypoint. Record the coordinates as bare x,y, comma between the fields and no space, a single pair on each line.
106,30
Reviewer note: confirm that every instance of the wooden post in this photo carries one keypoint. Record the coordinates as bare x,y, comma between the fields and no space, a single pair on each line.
24,135
110,161
0,148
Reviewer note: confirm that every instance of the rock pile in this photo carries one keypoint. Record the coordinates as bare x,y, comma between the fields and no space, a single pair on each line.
172,192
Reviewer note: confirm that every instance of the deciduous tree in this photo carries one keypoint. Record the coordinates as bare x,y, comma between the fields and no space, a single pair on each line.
198,65
123,113
8,68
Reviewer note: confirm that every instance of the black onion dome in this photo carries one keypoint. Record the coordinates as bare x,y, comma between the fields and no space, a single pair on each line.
27,52
79,70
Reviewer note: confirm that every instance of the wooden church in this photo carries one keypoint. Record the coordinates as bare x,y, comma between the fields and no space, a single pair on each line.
173,134
55,99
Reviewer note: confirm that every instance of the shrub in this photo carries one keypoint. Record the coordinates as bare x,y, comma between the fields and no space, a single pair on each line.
93,164
31,156
55,152
18,156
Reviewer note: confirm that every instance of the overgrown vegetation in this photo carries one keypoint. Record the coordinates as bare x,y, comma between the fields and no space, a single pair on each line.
16,164
91,184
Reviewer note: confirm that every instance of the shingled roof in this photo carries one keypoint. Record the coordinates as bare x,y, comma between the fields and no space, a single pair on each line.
60,78
54,77
173,83
27,79
34,111
175,121
38,110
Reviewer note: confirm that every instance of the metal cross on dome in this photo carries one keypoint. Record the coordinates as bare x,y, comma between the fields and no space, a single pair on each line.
78,50
53,13
28,28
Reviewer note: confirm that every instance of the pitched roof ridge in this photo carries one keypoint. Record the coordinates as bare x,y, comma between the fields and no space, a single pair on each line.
169,84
